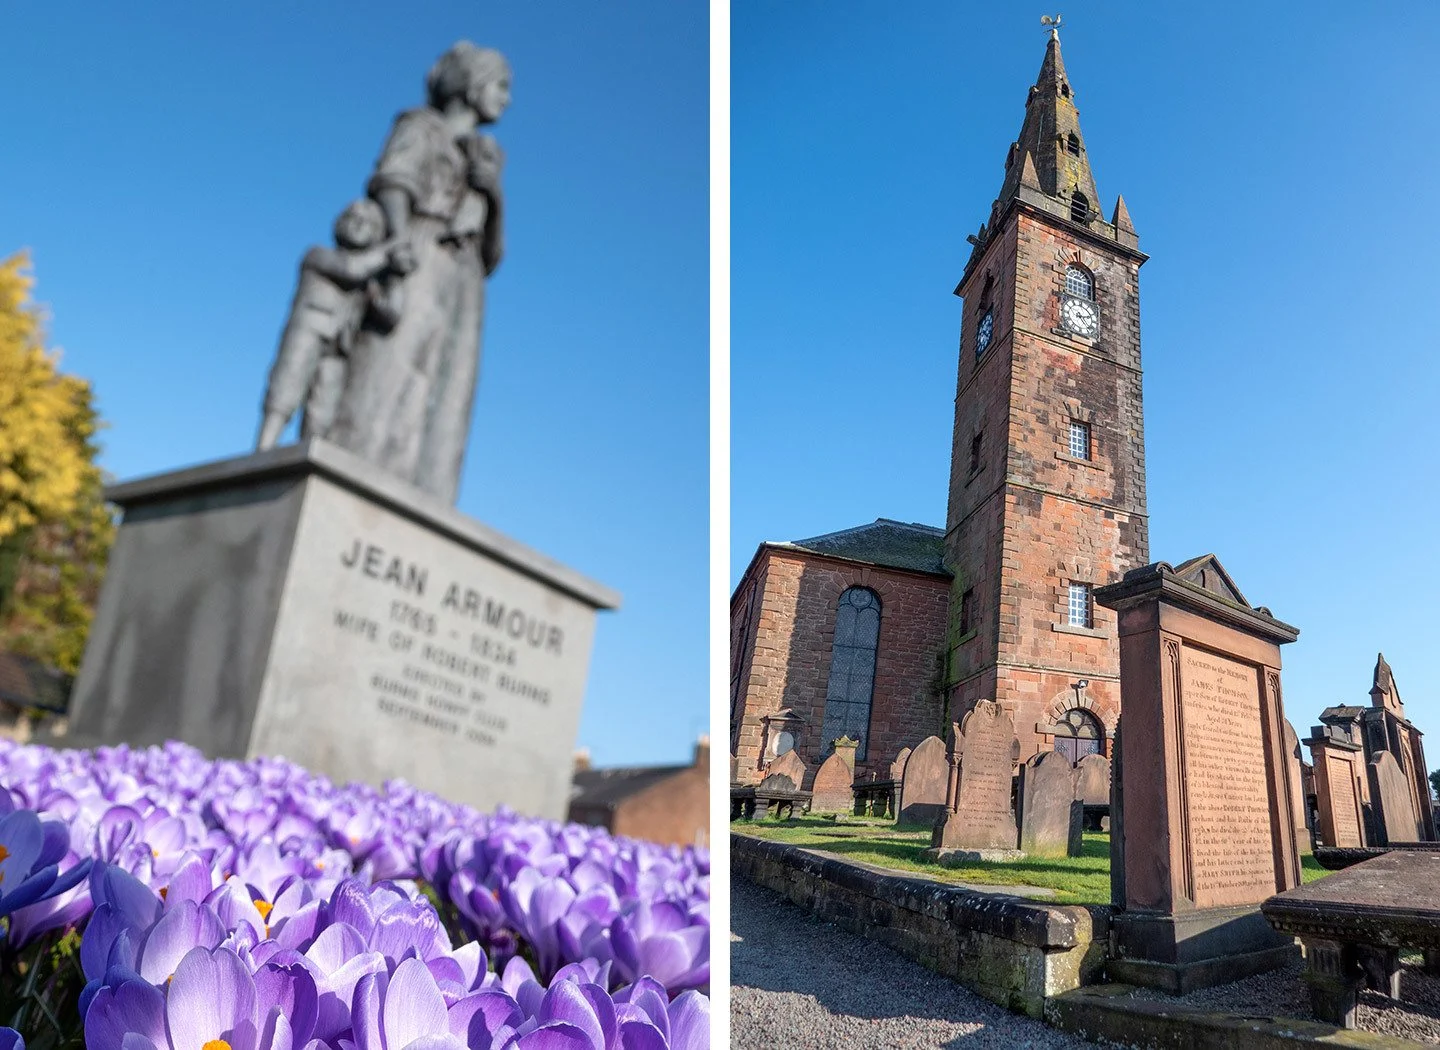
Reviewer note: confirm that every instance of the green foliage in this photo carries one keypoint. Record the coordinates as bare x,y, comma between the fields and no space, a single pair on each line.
40,992
1435,782
55,528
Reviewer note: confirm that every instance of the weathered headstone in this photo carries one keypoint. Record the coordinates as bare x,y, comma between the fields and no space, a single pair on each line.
1340,787
833,791
922,789
897,768
1208,832
1390,794
978,810
1050,814
778,782
1294,760
1092,780
790,765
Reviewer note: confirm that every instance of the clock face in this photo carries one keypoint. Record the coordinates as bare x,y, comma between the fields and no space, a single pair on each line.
1080,316
983,333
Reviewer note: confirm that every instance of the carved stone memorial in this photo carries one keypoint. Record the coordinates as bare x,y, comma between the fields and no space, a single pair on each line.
1294,765
922,790
1341,790
324,601
978,814
1049,813
789,765
1092,780
897,768
1209,825
1395,817
832,791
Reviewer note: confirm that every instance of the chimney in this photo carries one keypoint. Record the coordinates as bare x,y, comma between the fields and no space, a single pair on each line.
582,759
702,752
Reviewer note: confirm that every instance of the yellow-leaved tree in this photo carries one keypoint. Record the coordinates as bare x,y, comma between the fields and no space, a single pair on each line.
55,530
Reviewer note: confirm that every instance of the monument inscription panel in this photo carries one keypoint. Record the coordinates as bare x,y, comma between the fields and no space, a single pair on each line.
1342,799
1229,803
413,657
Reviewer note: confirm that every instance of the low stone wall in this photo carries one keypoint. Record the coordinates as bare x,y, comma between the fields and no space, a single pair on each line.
1013,951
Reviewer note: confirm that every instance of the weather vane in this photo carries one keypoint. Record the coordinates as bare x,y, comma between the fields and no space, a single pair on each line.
1053,24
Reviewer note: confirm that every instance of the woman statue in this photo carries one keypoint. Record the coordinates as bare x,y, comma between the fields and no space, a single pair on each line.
409,390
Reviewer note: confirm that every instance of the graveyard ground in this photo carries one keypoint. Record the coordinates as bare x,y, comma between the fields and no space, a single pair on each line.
1065,880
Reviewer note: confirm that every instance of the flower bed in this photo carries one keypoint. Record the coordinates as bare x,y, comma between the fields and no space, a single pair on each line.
157,899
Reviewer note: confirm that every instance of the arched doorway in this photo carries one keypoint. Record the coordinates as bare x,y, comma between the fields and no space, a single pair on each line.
1079,734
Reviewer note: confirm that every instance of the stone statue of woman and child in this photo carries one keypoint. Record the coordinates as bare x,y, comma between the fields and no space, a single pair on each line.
382,346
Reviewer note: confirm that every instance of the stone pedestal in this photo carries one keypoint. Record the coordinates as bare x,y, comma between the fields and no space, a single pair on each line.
299,602
1208,823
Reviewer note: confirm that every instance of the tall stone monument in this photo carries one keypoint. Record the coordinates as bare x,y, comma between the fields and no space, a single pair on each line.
978,811
324,601
1341,789
1208,827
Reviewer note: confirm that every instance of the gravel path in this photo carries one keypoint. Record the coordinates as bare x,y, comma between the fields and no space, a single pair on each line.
798,982
1282,993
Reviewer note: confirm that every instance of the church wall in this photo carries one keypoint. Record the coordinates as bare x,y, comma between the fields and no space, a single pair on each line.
791,653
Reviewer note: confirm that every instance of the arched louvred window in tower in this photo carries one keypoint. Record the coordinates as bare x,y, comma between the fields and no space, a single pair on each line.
1079,207
1079,734
1079,283
1072,144
852,669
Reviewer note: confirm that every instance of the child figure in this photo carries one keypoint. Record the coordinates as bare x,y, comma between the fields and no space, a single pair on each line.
340,289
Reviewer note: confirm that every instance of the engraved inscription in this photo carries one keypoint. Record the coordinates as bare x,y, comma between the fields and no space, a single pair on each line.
985,777
1342,801
1231,827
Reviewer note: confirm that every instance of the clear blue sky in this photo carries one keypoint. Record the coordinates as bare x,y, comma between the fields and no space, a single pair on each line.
168,163
1279,162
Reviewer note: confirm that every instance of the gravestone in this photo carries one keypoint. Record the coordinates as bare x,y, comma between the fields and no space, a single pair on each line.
1294,762
1092,780
1395,818
922,789
833,790
1340,787
790,765
978,810
778,782
1050,814
1208,830
897,768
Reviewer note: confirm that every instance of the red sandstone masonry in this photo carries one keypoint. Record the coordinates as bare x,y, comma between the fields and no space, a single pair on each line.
785,658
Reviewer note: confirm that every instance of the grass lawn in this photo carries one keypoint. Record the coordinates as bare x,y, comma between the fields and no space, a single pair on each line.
1076,880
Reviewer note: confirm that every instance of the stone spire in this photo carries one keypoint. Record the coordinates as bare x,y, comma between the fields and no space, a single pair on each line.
1050,139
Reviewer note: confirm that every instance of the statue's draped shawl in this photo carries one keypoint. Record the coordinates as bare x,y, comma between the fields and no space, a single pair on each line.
422,159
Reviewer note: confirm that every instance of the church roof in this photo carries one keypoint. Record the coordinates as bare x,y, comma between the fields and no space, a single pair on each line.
607,788
29,683
883,542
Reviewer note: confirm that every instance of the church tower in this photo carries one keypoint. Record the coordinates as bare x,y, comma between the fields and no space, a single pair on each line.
1047,473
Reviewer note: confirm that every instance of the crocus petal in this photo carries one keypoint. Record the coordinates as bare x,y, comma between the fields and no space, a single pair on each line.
690,1022
562,1037
413,1007
212,997
179,931
132,1007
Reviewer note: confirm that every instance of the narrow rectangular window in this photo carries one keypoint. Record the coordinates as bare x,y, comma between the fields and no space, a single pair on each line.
967,611
1079,439
977,444
1078,611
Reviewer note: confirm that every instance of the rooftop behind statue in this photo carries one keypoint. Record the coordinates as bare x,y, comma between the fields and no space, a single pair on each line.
383,340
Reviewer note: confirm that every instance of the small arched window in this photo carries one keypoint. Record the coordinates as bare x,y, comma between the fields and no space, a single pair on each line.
1072,144
1079,207
1079,283
852,669
1079,734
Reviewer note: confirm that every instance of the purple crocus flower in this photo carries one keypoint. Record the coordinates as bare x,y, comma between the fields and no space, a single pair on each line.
30,854
11,1039
660,941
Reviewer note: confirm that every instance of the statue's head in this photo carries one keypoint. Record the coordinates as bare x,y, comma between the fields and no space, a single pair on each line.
477,76
361,225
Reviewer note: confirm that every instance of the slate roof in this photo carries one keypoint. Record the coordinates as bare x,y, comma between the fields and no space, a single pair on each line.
1346,711
884,542
607,788
29,683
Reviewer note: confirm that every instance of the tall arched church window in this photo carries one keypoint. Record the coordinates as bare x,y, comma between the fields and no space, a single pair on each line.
852,669
1079,734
